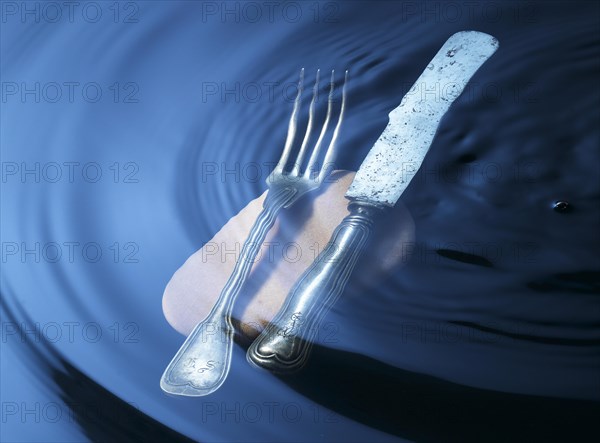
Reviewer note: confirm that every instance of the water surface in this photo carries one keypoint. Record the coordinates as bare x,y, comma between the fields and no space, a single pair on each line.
490,332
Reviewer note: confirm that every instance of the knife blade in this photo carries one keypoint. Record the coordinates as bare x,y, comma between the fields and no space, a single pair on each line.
284,345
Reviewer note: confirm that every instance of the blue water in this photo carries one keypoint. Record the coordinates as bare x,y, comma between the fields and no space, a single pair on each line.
490,331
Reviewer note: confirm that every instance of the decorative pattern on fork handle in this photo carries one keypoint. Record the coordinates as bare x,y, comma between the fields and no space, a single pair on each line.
193,358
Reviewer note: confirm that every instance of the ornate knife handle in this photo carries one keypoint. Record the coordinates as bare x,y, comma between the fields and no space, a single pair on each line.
285,344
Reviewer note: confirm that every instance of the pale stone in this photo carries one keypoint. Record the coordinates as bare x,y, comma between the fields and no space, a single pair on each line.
290,247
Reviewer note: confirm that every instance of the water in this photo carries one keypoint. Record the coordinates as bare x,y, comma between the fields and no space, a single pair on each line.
490,332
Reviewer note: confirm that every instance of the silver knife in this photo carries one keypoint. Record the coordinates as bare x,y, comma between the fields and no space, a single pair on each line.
394,159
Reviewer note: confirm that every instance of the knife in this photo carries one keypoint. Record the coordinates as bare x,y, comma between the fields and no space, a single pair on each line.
284,345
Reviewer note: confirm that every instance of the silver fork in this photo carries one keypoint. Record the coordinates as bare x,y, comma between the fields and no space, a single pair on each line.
202,363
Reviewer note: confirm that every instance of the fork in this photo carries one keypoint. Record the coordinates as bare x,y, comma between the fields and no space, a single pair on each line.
202,363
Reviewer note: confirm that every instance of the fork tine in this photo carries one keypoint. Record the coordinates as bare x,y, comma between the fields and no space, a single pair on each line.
311,116
330,154
291,134
315,154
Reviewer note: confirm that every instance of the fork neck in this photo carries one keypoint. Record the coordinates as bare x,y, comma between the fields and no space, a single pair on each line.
280,198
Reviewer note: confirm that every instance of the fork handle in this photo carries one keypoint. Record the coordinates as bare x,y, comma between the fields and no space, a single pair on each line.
284,345
202,362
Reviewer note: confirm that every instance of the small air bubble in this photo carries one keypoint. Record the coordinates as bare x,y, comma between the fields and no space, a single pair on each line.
561,206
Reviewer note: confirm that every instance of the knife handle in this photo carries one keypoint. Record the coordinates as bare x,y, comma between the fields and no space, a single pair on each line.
284,345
